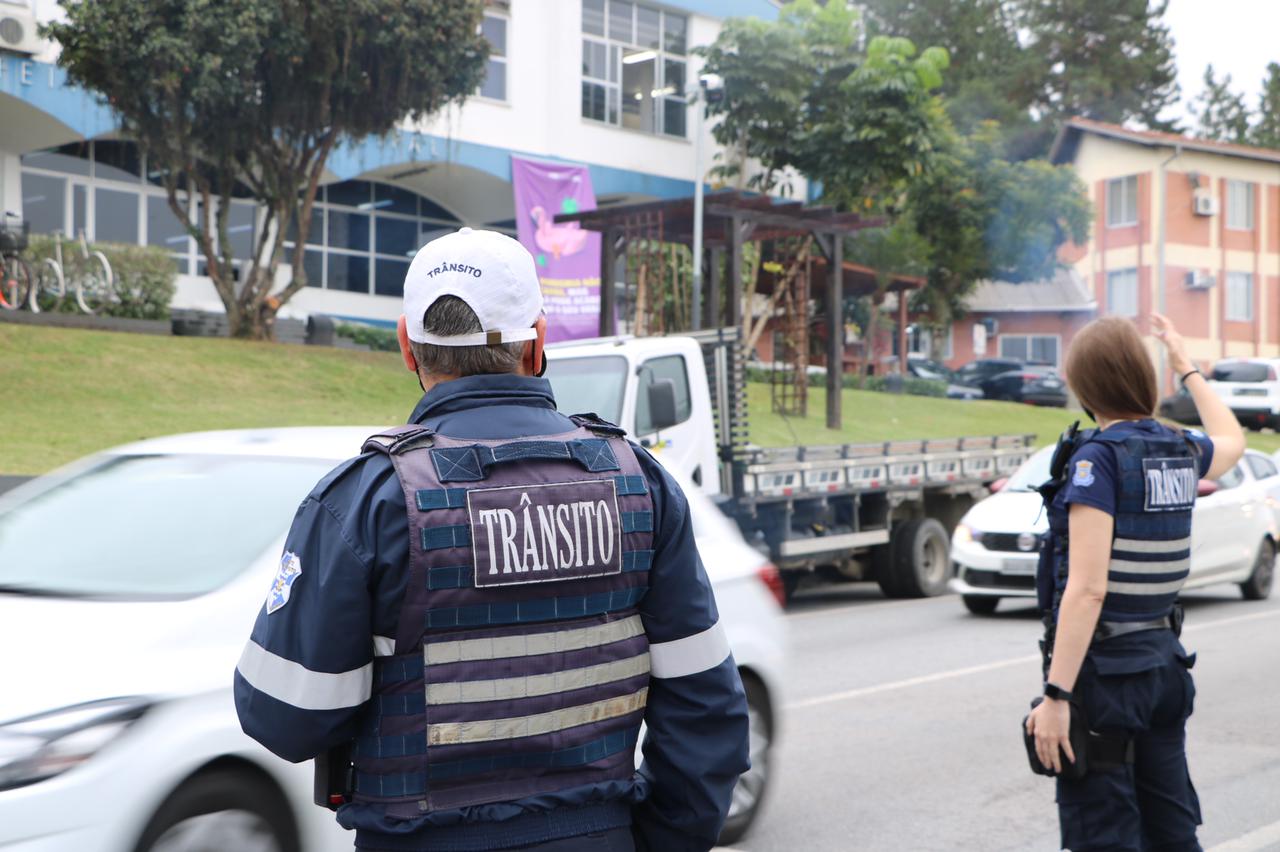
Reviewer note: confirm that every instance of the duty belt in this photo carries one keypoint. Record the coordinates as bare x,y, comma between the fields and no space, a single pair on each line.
1111,629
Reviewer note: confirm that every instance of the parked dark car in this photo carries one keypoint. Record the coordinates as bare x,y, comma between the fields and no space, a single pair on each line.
1180,407
1034,384
926,368
976,372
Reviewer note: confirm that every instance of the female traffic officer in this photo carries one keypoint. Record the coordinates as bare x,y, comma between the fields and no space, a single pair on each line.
1123,524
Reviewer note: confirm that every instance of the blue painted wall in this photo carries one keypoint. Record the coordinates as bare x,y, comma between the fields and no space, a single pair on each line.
45,87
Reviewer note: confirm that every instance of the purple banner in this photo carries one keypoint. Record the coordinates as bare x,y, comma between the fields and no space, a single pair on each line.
568,257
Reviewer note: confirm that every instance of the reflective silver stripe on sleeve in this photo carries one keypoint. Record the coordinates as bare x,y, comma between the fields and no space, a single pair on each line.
1119,588
1134,545
1131,567
298,686
690,655
506,689
455,733
383,646
532,644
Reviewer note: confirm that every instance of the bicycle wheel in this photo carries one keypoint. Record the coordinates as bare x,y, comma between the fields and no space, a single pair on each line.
15,283
95,289
51,287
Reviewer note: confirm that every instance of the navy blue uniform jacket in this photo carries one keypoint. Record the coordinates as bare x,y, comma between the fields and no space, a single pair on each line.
312,668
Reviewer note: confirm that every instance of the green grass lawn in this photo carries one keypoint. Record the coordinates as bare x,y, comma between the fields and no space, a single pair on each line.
71,392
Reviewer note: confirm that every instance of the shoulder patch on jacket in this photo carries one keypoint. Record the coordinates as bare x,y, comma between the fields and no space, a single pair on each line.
289,571
1083,476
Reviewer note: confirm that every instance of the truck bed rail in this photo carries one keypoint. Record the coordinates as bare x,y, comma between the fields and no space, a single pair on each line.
797,472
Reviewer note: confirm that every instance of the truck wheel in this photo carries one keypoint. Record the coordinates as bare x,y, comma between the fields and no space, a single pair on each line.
790,584
919,560
1258,586
980,604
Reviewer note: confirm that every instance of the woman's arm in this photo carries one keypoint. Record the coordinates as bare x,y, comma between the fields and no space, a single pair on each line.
1220,423
1089,532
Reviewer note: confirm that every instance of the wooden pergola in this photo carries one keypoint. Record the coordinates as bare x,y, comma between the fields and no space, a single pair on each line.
730,219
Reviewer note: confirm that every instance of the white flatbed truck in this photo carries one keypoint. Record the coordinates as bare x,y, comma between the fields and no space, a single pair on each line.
873,511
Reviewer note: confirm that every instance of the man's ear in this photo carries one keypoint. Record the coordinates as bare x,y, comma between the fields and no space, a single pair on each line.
536,350
402,336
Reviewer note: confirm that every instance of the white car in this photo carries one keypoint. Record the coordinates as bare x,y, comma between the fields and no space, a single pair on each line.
1234,531
129,583
1251,388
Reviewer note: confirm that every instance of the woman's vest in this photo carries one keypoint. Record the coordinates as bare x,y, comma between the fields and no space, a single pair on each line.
520,664
1157,479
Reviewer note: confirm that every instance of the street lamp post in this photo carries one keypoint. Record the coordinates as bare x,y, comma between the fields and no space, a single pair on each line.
709,90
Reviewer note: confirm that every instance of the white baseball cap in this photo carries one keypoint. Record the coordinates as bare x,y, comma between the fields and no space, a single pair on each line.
491,272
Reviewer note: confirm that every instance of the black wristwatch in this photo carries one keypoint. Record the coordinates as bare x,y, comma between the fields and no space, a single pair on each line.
1057,693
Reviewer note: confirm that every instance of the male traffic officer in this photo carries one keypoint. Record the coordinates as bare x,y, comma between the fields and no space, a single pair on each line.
488,601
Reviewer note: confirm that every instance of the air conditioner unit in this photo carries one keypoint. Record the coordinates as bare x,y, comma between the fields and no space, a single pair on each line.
1199,281
18,32
1206,205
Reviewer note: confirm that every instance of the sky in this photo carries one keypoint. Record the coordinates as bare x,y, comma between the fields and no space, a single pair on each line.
1238,36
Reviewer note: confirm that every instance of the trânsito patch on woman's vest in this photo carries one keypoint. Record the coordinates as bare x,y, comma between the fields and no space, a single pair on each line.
1170,484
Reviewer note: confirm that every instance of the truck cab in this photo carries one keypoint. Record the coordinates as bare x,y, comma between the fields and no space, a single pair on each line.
654,387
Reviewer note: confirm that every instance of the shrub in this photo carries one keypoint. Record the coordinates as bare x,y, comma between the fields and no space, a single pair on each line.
910,384
144,276
377,339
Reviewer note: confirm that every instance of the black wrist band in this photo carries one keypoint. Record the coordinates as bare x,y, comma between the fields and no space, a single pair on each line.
1052,690
1189,374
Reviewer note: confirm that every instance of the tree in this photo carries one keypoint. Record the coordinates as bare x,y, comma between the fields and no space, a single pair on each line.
985,217
800,94
1266,130
1221,114
988,67
236,97
1109,60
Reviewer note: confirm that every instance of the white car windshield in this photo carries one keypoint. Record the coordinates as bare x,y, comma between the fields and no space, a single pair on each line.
1033,473
589,385
150,526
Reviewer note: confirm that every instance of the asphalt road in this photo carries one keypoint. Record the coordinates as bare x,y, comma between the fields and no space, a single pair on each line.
901,726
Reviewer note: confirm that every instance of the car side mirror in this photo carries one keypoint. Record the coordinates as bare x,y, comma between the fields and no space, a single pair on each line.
999,484
1206,487
662,404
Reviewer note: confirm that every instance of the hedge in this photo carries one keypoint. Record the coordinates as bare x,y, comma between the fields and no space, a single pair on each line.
909,384
377,339
145,276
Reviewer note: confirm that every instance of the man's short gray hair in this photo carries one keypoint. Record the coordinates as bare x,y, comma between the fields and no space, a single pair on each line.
449,316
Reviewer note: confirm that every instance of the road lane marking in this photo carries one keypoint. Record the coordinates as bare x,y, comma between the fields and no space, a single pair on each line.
951,674
912,681
1260,838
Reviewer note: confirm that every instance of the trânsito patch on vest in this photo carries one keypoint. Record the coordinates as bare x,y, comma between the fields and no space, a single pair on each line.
1170,484
289,571
541,533
1083,476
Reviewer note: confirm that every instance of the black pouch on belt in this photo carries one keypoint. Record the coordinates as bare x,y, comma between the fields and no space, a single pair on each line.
1077,733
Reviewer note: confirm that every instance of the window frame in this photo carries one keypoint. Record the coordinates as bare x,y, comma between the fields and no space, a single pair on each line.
1234,189
1028,339
1234,280
500,12
612,81
1127,274
1125,198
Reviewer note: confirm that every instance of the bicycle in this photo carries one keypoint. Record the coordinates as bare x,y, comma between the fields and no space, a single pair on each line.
92,287
16,282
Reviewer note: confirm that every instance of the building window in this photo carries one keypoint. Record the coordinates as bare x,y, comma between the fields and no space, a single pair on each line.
363,235
1122,202
1030,348
494,28
1239,205
1240,296
1122,293
633,66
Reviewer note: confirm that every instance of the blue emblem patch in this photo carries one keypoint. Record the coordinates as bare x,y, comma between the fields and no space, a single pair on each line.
290,569
1083,476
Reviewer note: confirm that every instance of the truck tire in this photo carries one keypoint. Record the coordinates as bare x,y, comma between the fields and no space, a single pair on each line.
918,562
981,604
